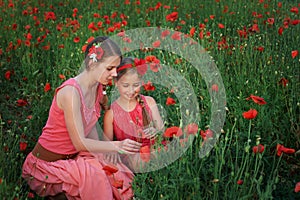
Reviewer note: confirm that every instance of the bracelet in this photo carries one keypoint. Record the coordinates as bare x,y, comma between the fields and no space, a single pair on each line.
121,152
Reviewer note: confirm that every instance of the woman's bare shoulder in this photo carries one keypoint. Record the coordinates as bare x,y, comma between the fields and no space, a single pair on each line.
67,95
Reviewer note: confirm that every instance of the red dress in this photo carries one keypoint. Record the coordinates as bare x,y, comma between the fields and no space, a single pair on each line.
129,125
79,178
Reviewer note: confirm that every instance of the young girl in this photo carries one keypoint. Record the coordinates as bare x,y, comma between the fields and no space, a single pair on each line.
131,115
67,158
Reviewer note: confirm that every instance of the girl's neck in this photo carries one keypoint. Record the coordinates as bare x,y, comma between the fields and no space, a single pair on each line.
127,105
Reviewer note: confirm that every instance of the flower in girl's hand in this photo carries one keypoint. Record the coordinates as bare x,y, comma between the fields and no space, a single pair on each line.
145,153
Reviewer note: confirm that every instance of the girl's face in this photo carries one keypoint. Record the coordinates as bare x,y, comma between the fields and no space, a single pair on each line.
106,70
129,86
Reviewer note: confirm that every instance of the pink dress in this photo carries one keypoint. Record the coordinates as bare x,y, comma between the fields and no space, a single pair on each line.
82,177
129,125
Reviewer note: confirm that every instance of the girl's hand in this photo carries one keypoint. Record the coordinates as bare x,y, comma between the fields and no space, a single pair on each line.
129,146
150,133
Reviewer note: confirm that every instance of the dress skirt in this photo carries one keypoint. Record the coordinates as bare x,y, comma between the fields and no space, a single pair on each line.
80,178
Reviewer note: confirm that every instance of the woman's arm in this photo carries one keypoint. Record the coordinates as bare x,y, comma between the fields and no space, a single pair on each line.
108,129
94,133
68,100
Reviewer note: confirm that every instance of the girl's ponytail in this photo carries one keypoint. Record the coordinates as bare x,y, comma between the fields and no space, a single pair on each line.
146,117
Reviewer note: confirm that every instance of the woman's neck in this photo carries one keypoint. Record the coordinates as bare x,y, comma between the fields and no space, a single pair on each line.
85,82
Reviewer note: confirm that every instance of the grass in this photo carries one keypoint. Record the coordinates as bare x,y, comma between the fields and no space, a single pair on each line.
250,61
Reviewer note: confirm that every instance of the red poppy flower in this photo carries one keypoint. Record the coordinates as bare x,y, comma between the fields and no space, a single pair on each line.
141,66
280,30
96,52
254,28
76,39
61,76
294,10
170,101
176,35
28,36
251,114
92,26
206,134
127,39
270,21
90,39
165,33
243,33
191,129
281,149
221,26
149,86
258,100
154,63
215,88
258,149
260,48
49,16
27,43
156,44
21,102
283,81
110,168
121,33
47,87
145,153
7,75
240,182
174,130
46,47
192,31
118,184
294,53
295,22
83,48
172,17
23,146
297,187
27,27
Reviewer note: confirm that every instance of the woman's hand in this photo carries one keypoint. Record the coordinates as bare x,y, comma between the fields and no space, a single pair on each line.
112,158
129,146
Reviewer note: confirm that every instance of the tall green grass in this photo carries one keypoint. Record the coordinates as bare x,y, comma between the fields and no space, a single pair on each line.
244,69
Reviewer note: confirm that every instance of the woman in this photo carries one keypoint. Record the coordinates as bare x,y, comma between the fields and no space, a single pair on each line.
68,155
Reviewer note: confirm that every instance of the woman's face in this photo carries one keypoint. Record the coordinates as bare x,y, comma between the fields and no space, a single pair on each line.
106,70
129,86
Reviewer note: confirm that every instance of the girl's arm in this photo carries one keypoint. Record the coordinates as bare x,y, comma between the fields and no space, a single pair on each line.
68,100
158,122
108,129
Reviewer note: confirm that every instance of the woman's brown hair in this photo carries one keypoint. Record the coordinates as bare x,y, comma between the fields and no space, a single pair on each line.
110,48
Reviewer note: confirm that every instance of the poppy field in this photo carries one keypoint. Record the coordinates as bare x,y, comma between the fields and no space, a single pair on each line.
253,43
